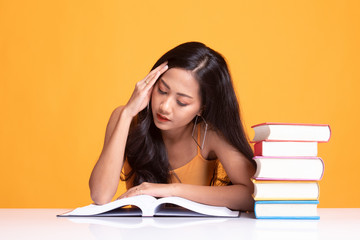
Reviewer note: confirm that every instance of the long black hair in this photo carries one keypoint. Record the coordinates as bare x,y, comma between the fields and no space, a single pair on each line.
145,149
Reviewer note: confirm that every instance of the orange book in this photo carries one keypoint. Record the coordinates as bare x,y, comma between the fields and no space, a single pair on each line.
285,190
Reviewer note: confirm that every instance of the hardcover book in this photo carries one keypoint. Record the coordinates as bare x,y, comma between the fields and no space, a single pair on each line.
286,210
285,190
289,168
292,132
286,149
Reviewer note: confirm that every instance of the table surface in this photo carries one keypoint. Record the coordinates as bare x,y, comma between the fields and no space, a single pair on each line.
334,223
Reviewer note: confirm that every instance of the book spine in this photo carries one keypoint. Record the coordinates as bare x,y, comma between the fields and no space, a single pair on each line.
258,149
270,148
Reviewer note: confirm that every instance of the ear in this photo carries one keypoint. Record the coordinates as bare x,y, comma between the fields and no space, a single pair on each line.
201,110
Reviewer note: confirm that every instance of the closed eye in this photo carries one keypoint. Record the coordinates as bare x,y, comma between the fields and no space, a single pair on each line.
161,92
181,104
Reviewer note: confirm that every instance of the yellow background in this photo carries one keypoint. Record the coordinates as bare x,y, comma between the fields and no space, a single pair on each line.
65,65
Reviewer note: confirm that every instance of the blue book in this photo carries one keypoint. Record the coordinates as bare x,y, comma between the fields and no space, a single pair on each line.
286,210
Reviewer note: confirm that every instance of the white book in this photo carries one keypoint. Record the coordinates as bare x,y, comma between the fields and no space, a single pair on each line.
148,206
292,132
289,168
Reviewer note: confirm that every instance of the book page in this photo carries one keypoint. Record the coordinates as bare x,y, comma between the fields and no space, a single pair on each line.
194,207
143,202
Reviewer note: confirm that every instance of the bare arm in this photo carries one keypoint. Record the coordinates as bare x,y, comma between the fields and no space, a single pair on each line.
105,176
237,197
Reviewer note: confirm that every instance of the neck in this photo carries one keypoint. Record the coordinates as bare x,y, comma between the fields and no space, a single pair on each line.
175,135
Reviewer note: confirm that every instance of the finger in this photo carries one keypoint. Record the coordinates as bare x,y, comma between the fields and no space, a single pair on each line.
148,96
151,81
121,196
156,73
128,193
146,80
158,68
125,195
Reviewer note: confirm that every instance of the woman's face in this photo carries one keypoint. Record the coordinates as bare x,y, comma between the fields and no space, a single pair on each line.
175,99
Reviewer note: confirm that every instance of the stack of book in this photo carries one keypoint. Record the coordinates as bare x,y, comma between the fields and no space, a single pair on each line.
286,181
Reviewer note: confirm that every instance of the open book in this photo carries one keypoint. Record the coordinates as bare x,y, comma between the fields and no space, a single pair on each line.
148,206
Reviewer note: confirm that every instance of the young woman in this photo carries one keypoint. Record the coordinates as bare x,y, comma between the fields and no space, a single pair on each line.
180,134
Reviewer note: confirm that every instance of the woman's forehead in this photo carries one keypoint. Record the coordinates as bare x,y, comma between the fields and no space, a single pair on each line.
181,80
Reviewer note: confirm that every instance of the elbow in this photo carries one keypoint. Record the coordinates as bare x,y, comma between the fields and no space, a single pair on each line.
99,196
244,199
249,205
100,199
245,205
249,201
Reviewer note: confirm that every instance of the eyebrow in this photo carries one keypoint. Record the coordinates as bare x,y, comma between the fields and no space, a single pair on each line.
168,87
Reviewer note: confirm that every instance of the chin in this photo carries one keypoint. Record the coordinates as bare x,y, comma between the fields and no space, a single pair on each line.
162,126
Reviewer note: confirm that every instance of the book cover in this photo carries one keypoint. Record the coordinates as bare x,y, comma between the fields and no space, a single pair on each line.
286,210
285,190
292,132
289,168
286,148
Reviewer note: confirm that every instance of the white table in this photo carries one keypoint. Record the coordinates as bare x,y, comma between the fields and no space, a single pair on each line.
335,223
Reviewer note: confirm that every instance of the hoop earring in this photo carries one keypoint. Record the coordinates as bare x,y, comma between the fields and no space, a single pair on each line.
193,132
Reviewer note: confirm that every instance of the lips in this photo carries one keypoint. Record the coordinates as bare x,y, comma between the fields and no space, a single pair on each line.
162,118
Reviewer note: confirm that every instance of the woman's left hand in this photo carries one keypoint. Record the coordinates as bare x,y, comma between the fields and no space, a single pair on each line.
152,189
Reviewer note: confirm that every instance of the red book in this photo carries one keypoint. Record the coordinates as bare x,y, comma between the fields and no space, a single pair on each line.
285,149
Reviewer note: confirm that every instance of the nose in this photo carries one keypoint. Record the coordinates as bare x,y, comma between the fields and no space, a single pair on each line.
165,106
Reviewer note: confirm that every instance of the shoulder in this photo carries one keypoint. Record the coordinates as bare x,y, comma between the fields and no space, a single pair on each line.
112,122
216,145
116,113
214,141
114,117
237,166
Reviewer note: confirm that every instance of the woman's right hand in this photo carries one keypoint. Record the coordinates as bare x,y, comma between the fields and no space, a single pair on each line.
143,89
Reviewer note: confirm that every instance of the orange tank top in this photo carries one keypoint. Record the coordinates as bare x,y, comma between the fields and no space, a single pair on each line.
198,171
